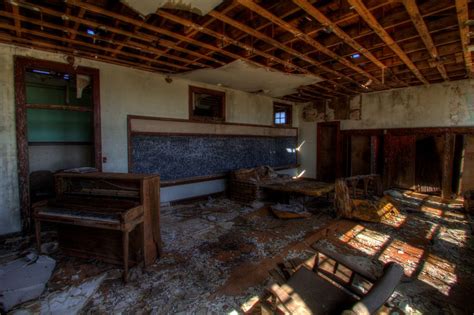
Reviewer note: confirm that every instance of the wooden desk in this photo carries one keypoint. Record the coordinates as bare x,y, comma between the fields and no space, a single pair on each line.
97,208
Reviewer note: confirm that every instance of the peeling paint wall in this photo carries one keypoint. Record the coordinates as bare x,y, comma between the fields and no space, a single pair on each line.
9,203
123,91
438,105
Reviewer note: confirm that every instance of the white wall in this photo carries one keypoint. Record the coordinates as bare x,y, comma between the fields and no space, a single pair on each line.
438,105
123,91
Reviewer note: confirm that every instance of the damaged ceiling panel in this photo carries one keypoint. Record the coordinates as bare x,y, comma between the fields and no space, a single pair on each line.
146,7
242,75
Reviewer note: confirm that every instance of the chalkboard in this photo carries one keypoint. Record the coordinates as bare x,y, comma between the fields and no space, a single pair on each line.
59,126
178,157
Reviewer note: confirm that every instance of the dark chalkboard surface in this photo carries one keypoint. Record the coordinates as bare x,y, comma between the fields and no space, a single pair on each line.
178,157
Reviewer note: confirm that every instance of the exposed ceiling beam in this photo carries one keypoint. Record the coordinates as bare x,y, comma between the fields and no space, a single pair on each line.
321,18
279,45
304,37
420,25
137,35
367,16
463,17
149,27
45,34
132,45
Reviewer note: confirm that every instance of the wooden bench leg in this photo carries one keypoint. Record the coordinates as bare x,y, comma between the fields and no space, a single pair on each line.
125,244
38,235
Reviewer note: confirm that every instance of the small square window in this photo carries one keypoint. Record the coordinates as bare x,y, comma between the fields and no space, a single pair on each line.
282,114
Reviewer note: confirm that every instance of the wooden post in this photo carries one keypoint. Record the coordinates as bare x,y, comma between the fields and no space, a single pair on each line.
125,244
448,156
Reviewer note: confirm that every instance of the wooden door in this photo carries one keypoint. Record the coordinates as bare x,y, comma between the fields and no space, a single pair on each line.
328,164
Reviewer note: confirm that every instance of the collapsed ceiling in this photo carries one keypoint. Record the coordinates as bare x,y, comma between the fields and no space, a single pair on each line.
242,75
353,46
146,7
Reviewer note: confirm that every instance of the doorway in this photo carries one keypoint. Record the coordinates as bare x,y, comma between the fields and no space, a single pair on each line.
58,125
328,153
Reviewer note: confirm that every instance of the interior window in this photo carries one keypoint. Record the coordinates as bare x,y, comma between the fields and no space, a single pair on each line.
206,104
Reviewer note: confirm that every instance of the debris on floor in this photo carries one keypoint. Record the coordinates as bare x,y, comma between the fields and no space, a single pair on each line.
290,211
220,255
24,279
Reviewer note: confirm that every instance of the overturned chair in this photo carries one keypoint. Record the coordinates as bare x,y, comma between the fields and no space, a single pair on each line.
361,198
320,291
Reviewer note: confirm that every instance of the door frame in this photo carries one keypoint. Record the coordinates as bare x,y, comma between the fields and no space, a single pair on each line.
320,125
20,66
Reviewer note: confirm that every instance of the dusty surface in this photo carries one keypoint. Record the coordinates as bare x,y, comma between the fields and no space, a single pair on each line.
218,255
434,244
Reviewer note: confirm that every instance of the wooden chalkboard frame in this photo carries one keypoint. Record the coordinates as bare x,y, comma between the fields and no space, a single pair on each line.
131,132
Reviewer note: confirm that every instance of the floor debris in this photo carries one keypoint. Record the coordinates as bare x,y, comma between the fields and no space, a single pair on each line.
220,255
24,279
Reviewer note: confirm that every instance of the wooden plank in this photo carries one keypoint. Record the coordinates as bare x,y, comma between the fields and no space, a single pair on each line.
287,49
60,107
367,16
448,156
304,37
417,19
463,16
321,18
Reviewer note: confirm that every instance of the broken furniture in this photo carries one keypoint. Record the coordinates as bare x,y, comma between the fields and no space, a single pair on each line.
246,185
320,291
300,186
24,279
359,197
109,216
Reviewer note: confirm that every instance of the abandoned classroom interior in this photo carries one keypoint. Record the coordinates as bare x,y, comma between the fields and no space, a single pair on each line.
236,157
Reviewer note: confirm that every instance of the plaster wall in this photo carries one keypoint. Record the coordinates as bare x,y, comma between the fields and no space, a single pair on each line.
448,104
123,91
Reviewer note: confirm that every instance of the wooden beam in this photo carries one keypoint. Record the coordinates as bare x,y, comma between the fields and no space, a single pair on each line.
139,36
367,16
463,17
304,37
279,45
96,48
448,156
321,18
80,15
149,27
419,22
15,11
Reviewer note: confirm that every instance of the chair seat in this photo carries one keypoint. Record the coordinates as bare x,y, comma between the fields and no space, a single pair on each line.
312,294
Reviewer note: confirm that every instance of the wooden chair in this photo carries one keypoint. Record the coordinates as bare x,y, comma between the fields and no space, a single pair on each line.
319,291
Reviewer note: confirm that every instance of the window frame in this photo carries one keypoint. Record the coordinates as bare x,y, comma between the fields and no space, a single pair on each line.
199,90
283,108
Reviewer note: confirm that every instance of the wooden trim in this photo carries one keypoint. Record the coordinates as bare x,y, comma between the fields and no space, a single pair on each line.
200,179
221,94
130,117
60,107
44,143
289,115
21,64
410,131
143,133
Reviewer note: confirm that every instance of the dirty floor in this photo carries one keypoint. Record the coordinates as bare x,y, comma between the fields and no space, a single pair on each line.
220,255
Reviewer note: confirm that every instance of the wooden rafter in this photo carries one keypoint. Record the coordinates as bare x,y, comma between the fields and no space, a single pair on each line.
271,41
419,22
367,16
231,41
321,18
304,37
463,16
16,10
43,34
139,36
